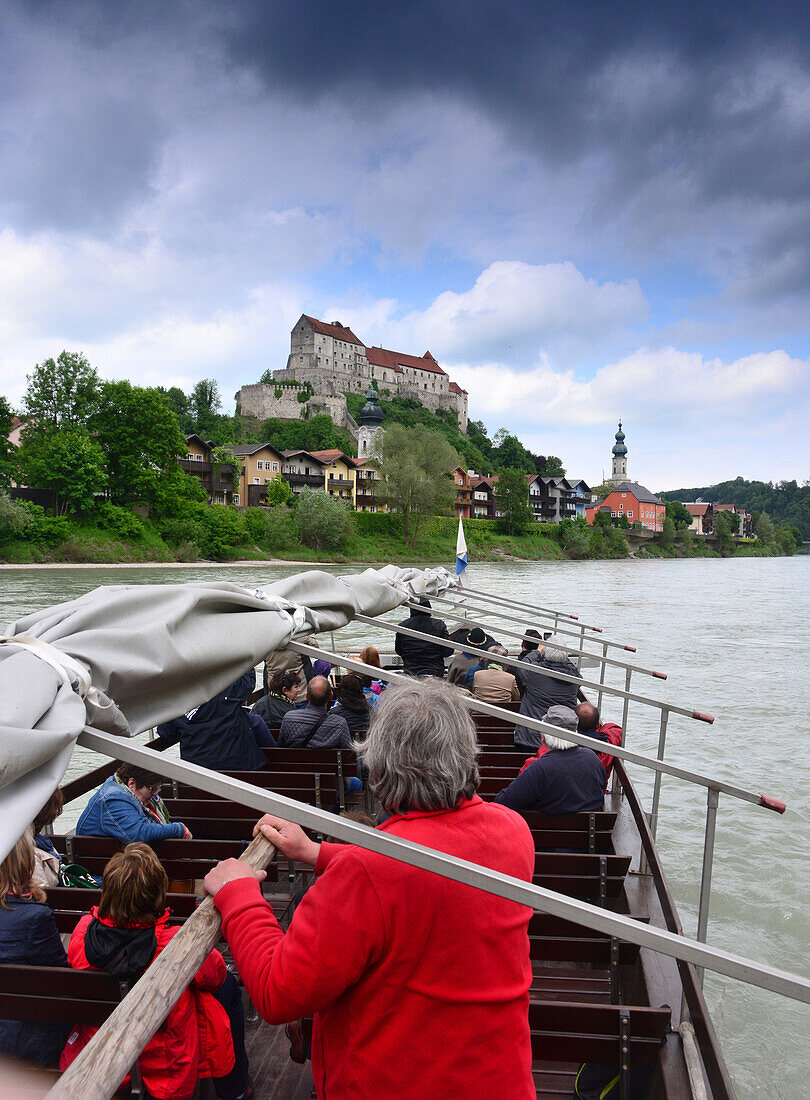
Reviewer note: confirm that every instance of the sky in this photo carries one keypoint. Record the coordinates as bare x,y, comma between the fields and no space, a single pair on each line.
585,211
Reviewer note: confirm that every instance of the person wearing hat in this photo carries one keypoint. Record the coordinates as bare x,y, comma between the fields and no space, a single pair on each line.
566,779
462,661
420,656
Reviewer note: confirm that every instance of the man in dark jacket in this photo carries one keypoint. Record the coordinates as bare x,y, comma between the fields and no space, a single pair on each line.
462,662
220,734
420,656
539,691
566,779
314,726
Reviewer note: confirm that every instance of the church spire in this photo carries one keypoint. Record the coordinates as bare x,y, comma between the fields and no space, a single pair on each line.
619,465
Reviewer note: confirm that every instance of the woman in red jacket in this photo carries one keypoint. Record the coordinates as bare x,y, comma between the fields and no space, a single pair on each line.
203,1035
419,985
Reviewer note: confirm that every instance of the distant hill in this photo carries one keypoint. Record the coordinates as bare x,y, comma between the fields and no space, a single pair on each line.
786,502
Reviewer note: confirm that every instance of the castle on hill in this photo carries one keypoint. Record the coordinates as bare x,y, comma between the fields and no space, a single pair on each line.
330,360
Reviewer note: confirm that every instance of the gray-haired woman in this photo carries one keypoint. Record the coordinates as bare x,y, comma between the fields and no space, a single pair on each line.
419,985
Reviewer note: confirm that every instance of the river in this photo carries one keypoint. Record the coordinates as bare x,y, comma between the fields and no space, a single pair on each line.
733,636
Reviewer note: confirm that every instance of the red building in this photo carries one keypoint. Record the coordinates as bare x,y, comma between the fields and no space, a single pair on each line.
634,502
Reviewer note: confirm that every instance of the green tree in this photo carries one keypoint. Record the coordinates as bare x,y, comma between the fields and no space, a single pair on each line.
603,489
61,393
279,491
553,467
7,449
415,476
509,452
733,522
204,405
668,534
722,532
180,406
763,528
323,522
576,542
69,462
679,514
786,540
138,431
513,500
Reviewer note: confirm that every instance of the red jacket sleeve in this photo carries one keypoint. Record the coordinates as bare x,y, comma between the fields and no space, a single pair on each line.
337,933
213,971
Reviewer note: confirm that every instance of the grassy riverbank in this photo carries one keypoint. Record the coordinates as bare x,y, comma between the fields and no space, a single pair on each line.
368,538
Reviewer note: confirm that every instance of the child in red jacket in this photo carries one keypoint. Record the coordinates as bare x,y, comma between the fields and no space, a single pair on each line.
203,1035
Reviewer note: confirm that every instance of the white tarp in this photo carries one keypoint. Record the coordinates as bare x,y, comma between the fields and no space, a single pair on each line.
124,658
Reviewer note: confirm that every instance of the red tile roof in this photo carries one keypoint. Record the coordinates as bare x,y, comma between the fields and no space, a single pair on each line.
330,455
396,360
337,331
697,509
455,388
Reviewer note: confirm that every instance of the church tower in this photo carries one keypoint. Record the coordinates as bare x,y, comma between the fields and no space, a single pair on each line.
370,423
619,470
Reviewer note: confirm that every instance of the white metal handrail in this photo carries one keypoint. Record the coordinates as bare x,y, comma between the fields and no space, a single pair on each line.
539,898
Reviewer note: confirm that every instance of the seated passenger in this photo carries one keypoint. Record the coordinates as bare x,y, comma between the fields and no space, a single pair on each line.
373,687
420,656
462,662
589,723
419,985
352,704
48,860
281,696
221,734
128,806
492,683
539,691
315,726
203,1035
566,779
28,935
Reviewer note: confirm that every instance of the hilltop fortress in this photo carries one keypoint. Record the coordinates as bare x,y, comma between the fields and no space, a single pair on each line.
328,360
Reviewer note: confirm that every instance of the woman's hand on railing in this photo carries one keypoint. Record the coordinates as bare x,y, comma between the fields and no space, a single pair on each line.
289,838
228,870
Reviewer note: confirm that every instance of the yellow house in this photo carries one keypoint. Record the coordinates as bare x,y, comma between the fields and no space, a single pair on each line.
365,477
257,465
339,471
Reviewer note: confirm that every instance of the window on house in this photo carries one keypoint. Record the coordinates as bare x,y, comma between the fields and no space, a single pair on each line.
260,465
275,467
613,513
256,481
629,515
624,494
236,498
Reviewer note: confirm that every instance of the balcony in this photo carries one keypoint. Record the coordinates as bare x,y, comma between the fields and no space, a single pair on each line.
192,467
315,481
364,500
340,482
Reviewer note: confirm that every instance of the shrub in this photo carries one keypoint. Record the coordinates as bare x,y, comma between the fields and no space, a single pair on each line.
273,528
576,542
323,522
15,518
118,521
223,529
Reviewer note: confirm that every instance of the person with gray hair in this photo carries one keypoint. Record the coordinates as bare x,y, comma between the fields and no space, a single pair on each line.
540,691
564,779
419,985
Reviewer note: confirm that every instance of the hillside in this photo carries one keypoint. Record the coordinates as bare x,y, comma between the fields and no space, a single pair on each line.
787,502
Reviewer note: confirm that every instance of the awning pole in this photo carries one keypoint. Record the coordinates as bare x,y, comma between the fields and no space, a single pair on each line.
712,799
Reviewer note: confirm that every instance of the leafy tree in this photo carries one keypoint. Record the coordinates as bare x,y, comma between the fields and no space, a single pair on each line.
722,532
576,542
679,514
61,393
785,502
316,434
763,528
553,467
204,404
415,474
513,499
668,533
733,522
323,522
267,378
509,452
180,407
603,489
139,433
279,491
7,449
69,462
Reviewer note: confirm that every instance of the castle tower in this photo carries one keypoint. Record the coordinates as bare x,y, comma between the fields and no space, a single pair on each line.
370,423
619,470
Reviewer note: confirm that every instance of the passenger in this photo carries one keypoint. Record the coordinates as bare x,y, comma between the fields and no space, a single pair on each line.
315,726
322,668
352,704
128,806
287,660
221,734
492,683
419,985
566,779
462,662
588,722
373,687
281,697
203,1035
420,656
539,692
28,936
48,860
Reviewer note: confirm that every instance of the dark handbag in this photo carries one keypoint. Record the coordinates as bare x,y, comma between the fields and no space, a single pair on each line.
73,874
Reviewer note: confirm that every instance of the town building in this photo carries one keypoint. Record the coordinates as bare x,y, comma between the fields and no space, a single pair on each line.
301,470
366,480
484,498
257,465
619,464
633,501
746,524
702,518
551,499
463,480
328,360
369,423
339,474
217,478
583,495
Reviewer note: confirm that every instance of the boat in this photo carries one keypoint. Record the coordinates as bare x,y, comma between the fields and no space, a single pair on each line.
615,981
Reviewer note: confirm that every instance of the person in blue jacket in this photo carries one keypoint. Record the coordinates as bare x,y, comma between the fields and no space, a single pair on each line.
28,935
221,734
127,806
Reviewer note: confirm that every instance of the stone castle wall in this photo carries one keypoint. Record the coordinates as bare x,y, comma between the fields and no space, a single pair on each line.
259,400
